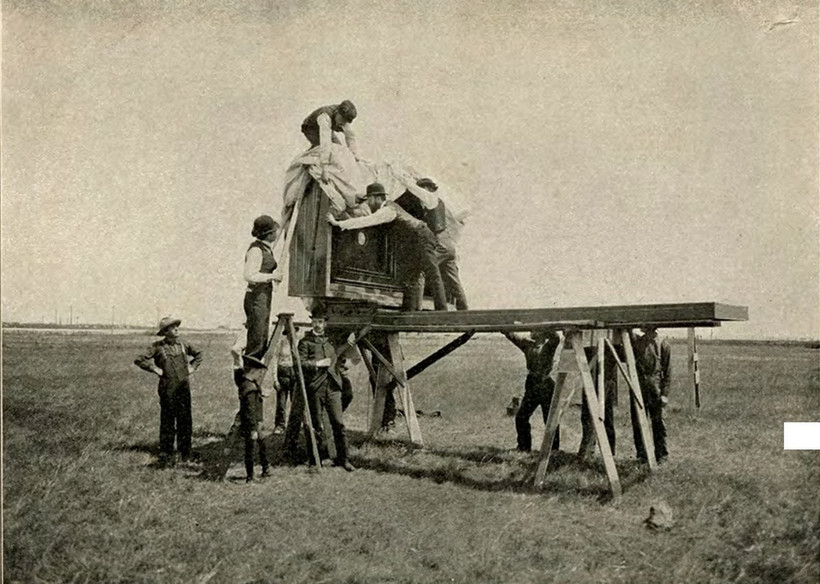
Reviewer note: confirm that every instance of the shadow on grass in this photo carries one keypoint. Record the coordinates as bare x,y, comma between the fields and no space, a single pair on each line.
493,469
482,468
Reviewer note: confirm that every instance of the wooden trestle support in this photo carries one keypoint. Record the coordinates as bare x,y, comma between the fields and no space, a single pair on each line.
602,328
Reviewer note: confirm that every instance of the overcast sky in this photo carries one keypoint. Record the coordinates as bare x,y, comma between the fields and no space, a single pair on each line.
610,155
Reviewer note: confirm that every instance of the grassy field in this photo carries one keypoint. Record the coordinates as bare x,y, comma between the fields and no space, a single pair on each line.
84,502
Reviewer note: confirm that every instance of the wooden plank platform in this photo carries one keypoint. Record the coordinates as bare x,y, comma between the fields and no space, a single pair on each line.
700,314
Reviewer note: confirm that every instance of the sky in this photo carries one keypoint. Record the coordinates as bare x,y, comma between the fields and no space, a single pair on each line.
610,152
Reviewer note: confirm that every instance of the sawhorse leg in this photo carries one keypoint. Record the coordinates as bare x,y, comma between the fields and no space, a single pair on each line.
557,405
392,369
635,388
286,320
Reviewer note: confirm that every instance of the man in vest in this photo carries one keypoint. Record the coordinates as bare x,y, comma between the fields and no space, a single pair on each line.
417,246
653,362
259,274
325,125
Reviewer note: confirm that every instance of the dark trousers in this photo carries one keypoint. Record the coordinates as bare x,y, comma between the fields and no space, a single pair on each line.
175,421
250,415
654,412
329,397
420,255
537,392
257,319
449,274
588,439
347,392
287,382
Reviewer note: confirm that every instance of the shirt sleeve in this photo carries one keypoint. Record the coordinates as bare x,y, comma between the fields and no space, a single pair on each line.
146,359
253,265
325,137
195,354
383,215
350,139
520,342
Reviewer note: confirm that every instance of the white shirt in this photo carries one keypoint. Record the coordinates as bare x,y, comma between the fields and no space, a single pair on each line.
384,214
253,265
326,134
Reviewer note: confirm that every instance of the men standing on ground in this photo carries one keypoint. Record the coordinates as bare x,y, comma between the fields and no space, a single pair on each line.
172,360
539,351
251,415
417,246
653,362
259,274
325,124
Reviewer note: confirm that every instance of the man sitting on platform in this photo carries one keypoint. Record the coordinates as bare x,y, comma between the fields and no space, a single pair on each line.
417,245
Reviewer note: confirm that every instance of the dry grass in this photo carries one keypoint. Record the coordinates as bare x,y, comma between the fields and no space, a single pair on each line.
84,503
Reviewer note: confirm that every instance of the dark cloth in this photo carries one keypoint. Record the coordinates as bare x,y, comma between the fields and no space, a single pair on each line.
653,362
537,392
310,127
538,387
175,419
448,267
347,392
173,357
258,298
287,382
418,253
250,419
588,438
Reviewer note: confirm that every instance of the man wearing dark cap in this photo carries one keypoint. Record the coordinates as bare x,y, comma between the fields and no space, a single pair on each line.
172,360
259,274
325,124
416,243
323,382
250,413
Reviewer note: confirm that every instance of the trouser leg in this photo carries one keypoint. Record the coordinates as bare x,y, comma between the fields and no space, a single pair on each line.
257,320
449,274
184,421
333,405
522,418
347,392
546,389
167,423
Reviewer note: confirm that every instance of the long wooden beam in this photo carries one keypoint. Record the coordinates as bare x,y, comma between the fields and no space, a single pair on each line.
521,319
441,353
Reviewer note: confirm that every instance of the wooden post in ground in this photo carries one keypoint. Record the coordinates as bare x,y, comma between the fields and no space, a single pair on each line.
397,356
635,388
557,405
595,410
694,372
297,361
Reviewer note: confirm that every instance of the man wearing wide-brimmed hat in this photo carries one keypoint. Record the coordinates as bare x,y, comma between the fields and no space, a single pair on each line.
416,243
172,360
260,274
